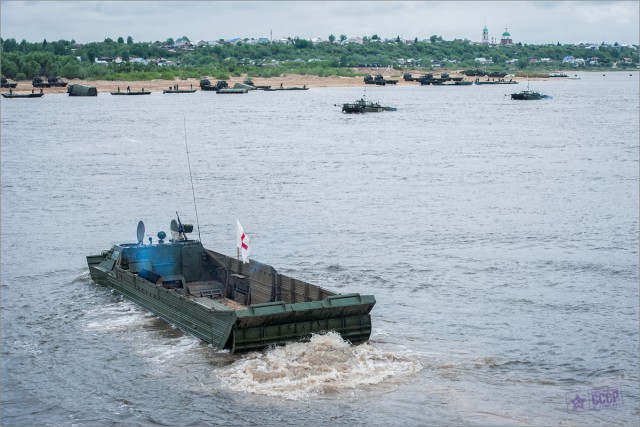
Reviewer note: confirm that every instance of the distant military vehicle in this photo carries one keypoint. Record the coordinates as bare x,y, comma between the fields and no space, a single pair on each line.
258,87
469,73
205,84
379,78
40,82
409,78
55,81
8,83
368,79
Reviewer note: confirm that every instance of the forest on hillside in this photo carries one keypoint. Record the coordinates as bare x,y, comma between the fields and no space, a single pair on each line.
124,59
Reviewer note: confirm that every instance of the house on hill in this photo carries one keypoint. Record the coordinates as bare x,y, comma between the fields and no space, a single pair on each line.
103,60
184,44
139,61
483,61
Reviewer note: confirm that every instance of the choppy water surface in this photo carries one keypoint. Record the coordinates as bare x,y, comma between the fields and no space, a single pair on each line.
499,237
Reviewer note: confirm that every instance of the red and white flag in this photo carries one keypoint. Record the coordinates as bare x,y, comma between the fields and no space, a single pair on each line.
242,243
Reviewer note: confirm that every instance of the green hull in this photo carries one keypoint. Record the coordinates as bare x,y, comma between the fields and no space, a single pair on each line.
227,303
179,91
527,95
228,90
285,88
356,109
363,106
132,93
22,95
510,82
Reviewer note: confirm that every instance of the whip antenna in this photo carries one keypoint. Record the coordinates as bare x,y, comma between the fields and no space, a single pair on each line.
191,177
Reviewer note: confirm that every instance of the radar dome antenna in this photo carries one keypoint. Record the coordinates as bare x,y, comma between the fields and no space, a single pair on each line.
175,230
140,232
179,230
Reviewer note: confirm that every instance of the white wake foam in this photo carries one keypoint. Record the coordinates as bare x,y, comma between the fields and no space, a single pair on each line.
326,364
119,316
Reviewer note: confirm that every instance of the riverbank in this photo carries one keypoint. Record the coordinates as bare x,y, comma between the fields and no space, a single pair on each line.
287,80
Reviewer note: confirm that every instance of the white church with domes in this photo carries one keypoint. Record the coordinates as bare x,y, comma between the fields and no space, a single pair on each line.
505,40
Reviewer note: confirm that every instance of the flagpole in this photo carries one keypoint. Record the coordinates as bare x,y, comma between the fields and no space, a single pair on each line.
238,243
191,176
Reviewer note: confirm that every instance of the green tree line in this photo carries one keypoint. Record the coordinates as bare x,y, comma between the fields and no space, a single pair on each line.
68,59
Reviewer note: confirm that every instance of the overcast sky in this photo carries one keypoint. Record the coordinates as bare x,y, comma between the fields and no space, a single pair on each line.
535,22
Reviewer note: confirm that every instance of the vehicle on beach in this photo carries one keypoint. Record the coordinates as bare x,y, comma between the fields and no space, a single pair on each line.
256,87
52,81
430,79
8,84
221,87
222,300
56,81
474,73
40,82
205,84
409,78
368,79
380,78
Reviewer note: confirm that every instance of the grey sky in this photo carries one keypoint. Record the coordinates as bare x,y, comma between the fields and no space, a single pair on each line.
535,22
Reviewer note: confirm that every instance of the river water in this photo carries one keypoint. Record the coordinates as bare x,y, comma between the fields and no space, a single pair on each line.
499,237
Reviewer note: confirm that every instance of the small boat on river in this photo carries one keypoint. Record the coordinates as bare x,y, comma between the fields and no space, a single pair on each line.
495,82
365,106
176,89
528,95
229,303
271,89
179,91
228,90
22,95
131,92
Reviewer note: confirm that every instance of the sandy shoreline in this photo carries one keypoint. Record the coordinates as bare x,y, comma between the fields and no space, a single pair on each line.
288,80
